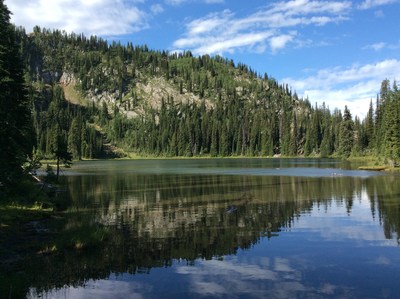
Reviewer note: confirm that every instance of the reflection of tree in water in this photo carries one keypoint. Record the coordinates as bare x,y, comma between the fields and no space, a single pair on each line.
384,195
152,220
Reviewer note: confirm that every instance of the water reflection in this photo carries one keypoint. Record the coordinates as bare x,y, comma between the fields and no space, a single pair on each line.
180,235
158,204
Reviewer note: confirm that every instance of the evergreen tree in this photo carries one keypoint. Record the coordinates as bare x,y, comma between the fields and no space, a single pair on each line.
369,127
391,144
15,120
326,144
358,142
346,134
294,136
74,139
214,139
62,154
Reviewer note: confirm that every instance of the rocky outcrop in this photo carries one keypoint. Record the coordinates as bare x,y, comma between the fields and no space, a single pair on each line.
67,79
105,96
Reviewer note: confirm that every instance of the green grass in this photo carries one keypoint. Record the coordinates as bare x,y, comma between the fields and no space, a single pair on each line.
82,237
373,167
141,156
370,160
15,214
373,163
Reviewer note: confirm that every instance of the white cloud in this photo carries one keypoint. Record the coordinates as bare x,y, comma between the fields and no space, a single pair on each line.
156,9
179,2
382,46
280,41
367,4
99,17
354,86
110,288
175,2
242,40
213,22
379,14
376,46
273,25
299,7
276,277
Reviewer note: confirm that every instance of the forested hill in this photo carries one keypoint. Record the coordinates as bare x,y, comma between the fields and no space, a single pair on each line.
97,99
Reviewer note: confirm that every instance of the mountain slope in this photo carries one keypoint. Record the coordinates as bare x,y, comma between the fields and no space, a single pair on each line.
153,102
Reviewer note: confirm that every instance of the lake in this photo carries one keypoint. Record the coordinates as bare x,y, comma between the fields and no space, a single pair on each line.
221,228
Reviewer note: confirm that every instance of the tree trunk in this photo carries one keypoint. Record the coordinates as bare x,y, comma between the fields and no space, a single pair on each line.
58,167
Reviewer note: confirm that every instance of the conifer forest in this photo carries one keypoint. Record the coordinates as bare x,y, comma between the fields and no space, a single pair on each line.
89,98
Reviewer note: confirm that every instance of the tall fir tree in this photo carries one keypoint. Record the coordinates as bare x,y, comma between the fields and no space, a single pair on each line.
369,127
15,118
391,141
346,134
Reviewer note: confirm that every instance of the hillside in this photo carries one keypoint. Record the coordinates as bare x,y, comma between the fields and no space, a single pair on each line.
95,99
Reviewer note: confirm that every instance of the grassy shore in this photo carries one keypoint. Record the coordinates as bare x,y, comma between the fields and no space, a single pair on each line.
12,214
365,162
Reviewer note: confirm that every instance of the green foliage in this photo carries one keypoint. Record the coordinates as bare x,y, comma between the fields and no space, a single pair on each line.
15,123
51,176
210,106
346,133
391,122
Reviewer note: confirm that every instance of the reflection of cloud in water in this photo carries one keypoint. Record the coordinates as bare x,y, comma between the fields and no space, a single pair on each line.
382,260
328,289
339,225
232,278
210,289
282,265
99,289
245,271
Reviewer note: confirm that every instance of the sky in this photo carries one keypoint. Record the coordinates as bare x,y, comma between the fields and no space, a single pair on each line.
332,52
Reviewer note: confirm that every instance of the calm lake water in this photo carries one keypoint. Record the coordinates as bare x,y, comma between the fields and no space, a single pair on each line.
224,228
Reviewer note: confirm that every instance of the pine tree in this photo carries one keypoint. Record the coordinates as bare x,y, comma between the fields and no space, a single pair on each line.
15,119
369,127
346,134
294,136
313,133
358,140
214,140
74,139
391,142
225,149
326,144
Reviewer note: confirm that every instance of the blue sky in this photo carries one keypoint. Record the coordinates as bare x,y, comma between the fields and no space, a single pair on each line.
336,52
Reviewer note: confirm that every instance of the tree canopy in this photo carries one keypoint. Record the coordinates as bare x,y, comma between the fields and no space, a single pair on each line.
15,117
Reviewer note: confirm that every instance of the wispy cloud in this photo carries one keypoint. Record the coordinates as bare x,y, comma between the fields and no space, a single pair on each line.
179,2
298,7
175,2
275,25
273,277
382,46
375,46
367,4
102,288
354,86
100,17
156,9
379,14
280,41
